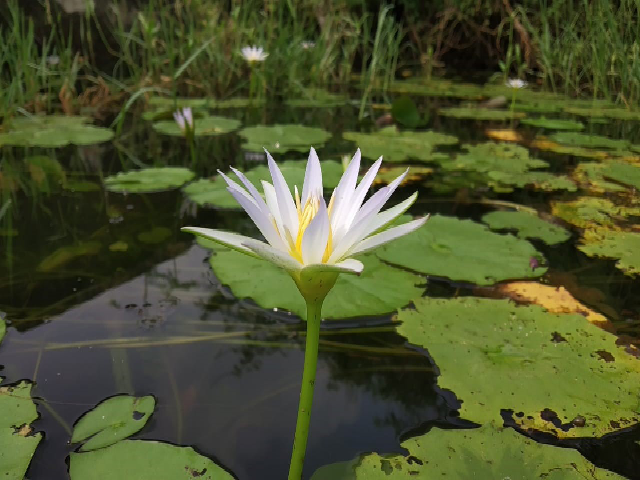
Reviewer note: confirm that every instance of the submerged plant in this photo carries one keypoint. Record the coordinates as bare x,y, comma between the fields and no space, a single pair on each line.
314,243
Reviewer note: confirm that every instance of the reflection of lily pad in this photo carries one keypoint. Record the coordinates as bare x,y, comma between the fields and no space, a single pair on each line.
546,369
378,290
283,138
148,180
53,131
112,420
46,172
584,212
553,123
473,113
154,236
204,126
485,453
494,157
528,225
462,250
66,254
623,246
589,141
17,443
398,146
142,459
214,192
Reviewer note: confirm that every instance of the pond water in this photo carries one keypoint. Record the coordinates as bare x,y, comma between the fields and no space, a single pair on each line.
104,295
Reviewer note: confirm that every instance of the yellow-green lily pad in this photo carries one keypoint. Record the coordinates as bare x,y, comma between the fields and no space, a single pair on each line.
399,146
623,173
53,131
283,138
527,225
554,373
544,181
462,250
494,157
477,113
620,245
585,212
589,141
553,123
596,112
204,126
148,180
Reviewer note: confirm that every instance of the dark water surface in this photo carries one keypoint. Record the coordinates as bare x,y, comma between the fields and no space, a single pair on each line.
225,373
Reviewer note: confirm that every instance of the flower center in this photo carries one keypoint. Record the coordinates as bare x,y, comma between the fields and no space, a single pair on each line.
306,214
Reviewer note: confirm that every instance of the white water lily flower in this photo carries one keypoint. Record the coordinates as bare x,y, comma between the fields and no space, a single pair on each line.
307,44
184,118
313,241
515,83
254,54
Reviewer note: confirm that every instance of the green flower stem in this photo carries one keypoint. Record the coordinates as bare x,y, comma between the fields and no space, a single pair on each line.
306,390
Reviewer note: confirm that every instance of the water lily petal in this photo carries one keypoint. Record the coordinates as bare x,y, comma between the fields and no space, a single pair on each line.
286,205
314,240
277,257
252,190
388,235
389,215
350,265
228,239
312,178
341,197
272,204
378,199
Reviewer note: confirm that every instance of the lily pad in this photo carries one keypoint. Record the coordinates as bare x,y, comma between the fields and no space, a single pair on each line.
545,144
547,106
483,453
527,225
586,212
494,157
590,176
405,112
317,97
399,146
378,290
53,131
623,246
546,369
462,250
214,192
623,173
545,181
204,126
144,460
174,104
589,141
112,420
388,174
17,443
553,123
438,88
148,180
475,113
283,138
596,112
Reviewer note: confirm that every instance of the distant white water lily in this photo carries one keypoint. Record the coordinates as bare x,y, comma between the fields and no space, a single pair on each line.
515,83
313,241
254,54
307,44
184,118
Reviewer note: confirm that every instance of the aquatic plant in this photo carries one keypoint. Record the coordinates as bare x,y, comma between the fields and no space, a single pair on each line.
314,243
254,54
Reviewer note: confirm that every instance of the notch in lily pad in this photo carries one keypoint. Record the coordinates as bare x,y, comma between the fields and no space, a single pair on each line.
112,420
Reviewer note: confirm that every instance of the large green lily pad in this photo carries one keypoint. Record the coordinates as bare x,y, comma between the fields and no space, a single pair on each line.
476,113
589,141
553,123
494,157
283,138
17,443
398,146
585,212
204,126
378,290
623,173
112,420
527,225
144,460
148,180
53,131
590,175
214,192
487,452
551,371
544,181
462,250
623,246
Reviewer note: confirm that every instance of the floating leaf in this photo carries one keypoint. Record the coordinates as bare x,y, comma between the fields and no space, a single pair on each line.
462,250
494,157
399,146
204,126
545,181
405,112
378,290
547,145
283,138
623,173
144,460
613,113
551,298
584,212
528,225
64,255
474,113
437,88
553,123
148,180
547,369
53,131
174,104
214,192
483,453
538,107
589,141
112,420
623,246
316,97
388,174
154,236
17,445
590,176
504,135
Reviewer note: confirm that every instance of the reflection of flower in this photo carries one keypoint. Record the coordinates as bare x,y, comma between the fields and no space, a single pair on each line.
515,83
254,54
184,118
307,45
306,237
